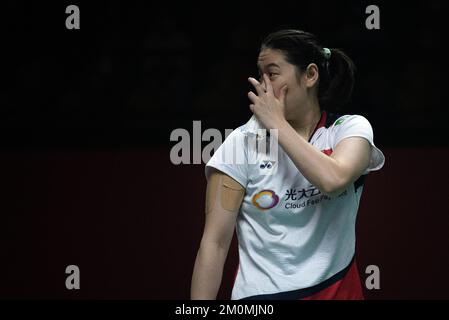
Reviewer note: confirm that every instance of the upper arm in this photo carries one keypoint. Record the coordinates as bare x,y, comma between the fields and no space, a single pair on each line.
352,155
224,197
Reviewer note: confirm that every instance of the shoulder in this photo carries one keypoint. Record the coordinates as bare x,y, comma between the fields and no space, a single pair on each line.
233,140
354,125
348,119
350,123
236,135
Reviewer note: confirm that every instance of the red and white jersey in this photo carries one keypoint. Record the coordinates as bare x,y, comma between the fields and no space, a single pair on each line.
294,241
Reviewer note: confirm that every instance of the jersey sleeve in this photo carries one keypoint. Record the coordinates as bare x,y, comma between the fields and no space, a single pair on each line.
359,126
231,158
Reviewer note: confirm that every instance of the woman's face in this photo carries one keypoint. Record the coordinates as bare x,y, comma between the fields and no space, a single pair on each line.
280,72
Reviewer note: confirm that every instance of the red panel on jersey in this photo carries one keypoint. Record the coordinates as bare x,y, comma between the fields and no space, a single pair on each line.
348,288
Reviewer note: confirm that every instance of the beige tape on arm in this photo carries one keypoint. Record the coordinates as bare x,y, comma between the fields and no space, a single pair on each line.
224,191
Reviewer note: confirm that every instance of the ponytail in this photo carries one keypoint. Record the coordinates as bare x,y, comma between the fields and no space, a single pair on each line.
337,84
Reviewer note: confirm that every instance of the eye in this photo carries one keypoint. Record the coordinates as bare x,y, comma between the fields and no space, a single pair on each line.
271,74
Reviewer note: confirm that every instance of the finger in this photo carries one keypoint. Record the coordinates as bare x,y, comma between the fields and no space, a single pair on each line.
257,86
253,97
268,83
283,94
251,107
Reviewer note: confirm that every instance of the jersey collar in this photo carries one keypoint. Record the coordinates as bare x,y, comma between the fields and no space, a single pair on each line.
320,123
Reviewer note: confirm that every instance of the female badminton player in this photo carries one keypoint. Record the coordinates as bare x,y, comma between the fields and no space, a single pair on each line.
294,214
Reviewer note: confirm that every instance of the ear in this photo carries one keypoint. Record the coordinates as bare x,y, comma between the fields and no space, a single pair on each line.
311,75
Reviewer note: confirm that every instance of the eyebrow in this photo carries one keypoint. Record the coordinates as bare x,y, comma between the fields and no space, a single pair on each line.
270,65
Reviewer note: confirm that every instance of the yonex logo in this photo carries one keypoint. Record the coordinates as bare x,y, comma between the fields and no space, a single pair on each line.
267,164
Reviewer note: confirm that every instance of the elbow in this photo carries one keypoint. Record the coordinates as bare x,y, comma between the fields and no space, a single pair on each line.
215,245
334,187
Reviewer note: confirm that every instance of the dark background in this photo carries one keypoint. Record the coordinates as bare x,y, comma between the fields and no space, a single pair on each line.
86,117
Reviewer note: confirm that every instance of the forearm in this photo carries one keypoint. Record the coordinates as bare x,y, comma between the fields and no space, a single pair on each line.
208,271
320,169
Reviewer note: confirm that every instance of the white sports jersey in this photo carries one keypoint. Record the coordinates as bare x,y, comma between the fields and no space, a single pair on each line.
290,235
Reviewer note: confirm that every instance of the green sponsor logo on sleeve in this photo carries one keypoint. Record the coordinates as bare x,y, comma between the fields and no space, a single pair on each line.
339,121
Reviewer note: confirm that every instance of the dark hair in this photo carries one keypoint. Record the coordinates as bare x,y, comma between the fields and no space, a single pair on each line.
336,74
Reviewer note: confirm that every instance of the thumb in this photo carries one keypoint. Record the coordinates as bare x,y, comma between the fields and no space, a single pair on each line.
283,93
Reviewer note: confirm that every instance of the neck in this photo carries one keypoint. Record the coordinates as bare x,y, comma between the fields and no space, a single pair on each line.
306,120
